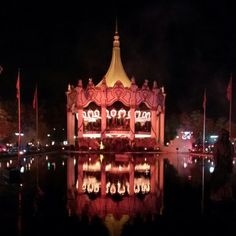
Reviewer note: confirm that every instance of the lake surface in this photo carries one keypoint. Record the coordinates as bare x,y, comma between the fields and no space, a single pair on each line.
109,194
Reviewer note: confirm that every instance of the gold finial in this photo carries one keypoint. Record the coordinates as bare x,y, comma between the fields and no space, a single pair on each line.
116,42
116,32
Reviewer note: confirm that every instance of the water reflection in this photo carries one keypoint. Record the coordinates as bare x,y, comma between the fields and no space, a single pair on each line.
116,187
118,191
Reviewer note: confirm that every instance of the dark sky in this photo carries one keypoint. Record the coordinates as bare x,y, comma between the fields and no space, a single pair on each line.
185,45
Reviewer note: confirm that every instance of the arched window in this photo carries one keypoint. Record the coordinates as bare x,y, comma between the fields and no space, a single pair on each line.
92,117
142,118
118,117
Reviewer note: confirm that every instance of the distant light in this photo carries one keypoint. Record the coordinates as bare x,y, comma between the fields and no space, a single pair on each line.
211,169
48,135
65,142
185,164
22,169
17,134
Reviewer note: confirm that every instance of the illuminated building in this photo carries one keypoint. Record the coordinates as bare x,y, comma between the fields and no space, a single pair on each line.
116,184
115,107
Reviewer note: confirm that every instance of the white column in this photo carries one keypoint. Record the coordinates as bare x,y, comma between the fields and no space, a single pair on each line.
132,123
103,121
162,127
158,128
80,123
154,124
70,128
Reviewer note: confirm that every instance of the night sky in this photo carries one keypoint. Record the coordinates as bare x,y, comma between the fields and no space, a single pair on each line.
185,46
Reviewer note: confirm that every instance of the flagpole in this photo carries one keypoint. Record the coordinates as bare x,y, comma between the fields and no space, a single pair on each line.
37,133
230,104
37,115
203,150
35,106
19,220
19,115
230,115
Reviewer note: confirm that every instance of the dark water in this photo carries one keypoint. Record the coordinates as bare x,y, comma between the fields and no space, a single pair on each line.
43,206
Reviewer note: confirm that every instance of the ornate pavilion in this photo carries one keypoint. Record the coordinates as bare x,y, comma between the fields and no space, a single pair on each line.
116,107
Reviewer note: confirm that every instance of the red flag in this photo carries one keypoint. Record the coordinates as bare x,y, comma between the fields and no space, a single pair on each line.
204,100
35,98
18,86
229,89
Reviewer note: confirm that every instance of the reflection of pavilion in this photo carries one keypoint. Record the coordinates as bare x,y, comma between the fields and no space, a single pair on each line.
117,185
115,107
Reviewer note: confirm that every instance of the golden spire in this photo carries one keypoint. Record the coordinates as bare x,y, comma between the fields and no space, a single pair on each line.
116,26
116,71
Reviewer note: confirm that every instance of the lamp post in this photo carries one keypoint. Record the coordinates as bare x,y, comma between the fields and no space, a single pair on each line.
19,143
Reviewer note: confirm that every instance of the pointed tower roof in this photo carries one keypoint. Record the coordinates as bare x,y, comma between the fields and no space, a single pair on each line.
116,71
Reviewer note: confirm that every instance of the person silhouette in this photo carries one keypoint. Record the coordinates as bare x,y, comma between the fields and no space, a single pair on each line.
223,154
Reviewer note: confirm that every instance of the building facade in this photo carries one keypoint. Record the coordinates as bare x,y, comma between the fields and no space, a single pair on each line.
116,107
